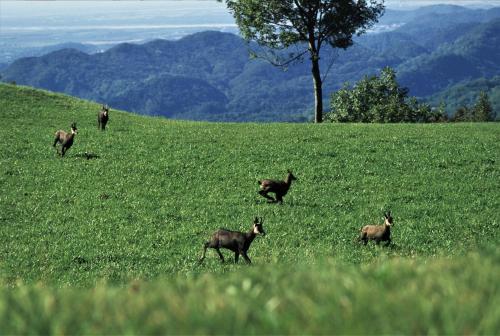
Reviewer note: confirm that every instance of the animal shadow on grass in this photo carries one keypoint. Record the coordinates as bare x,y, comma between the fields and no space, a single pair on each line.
104,196
392,246
87,156
80,260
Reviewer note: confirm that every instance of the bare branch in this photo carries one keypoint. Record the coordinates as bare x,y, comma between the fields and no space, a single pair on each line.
334,58
275,60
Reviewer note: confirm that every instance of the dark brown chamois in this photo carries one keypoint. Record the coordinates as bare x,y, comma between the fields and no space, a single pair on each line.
103,117
378,232
279,188
65,139
238,242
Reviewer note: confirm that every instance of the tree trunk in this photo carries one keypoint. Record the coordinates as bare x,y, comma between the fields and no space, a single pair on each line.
318,90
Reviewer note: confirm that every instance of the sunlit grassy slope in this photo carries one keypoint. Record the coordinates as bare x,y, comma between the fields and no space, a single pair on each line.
153,190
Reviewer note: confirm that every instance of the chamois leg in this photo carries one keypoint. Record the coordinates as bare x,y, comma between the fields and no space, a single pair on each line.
236,257
363,238
246,257
388,242
264,194
279,198
204,252
56,140
220,254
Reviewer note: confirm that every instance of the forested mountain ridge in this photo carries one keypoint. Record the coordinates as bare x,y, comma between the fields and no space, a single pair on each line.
210,76
474,55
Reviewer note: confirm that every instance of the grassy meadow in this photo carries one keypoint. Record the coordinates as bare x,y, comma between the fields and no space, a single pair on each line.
110,244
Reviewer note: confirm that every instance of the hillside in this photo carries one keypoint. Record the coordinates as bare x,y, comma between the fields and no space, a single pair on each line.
209,75
109,243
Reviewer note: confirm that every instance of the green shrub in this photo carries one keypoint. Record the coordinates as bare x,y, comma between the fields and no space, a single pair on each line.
379,99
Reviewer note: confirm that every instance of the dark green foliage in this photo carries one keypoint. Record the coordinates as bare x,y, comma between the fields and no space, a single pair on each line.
463,113
379,99
279,24
482,110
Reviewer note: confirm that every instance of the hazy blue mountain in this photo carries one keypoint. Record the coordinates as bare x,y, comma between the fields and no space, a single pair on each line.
209,75
432,26
476,54
13,53
393,45
86,48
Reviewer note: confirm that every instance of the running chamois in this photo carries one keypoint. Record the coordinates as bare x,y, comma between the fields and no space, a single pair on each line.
279,188
65,139
238,242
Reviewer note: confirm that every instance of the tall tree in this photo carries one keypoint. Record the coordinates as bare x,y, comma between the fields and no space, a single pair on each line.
463,113
308,24
482,109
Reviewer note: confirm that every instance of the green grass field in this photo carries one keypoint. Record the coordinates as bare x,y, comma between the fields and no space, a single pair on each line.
78,234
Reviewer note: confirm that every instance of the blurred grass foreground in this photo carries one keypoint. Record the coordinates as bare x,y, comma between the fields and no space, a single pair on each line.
396,296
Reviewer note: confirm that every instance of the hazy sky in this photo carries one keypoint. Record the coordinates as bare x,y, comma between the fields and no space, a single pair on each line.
26,24
418,3
389,3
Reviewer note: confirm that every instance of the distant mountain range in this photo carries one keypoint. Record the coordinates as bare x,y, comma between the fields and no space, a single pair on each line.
209,75
40,51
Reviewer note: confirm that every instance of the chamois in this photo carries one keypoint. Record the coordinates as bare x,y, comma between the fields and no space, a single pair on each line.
103,117
279,188
65,139
238,242
378,232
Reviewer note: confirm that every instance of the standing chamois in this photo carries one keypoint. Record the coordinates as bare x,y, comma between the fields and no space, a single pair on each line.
378,232
279,188
65,139
103,117
238,242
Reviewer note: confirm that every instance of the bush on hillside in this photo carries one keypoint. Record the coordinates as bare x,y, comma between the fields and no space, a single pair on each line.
380,99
